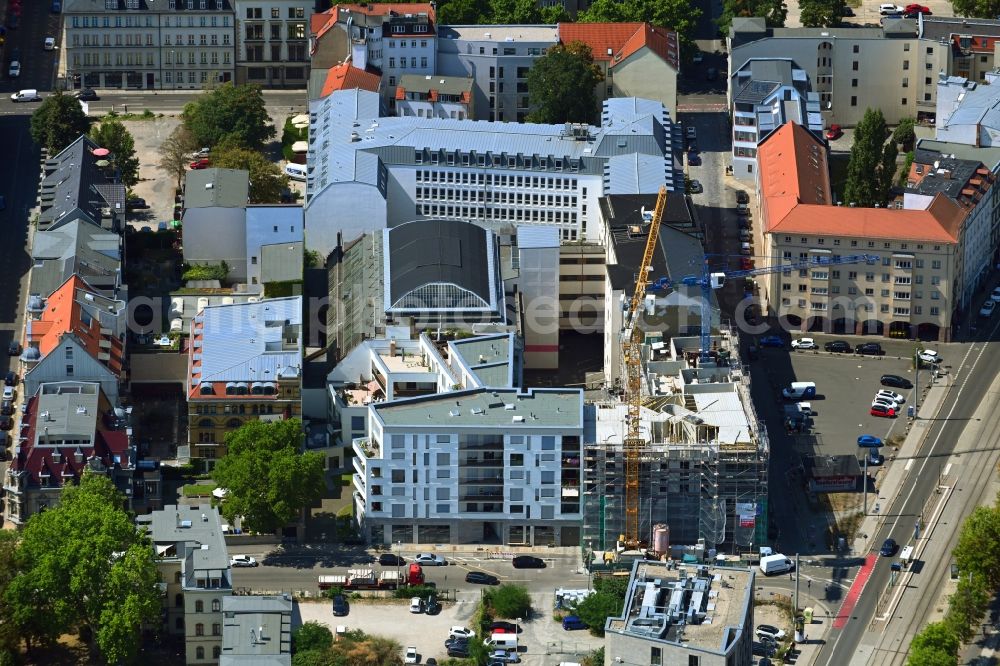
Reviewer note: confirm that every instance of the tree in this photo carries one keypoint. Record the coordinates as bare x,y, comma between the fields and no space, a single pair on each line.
111,134
677,15
774,12
9,639
230,111
269,480
83,564
935,644
561,85
175,152
821,13
311,636
509,601
904,133
515,11
462,12
978,549
594,658
977,8
967,606
867,181
596,608
58,122
267,182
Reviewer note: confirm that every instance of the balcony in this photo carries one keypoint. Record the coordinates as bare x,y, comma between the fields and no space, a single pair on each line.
366,448
476,461
359,484
359,465
480,495
482,479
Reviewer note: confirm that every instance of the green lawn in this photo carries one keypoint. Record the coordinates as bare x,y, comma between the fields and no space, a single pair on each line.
198,489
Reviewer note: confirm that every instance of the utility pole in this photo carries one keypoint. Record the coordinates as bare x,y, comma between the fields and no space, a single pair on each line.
796,604
864,482
916,386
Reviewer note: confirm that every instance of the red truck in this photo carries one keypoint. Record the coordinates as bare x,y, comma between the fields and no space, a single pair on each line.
369,579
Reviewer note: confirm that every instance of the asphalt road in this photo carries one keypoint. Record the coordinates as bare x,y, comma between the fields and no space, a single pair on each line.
283,570
973,373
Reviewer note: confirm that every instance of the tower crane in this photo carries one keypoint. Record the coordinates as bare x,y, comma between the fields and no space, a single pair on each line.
632,338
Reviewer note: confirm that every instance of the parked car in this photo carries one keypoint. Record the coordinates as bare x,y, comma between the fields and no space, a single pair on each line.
834,132
49,44
694,159
573,622
875,459
742,197
690,133
840,346
9,393
459,651
896,381
846,11
504,657
10,379
87,95
411,656
136,202
242,561
340,606
770,631
15,69
695,187
528,562
891,395
929,356
804,343
432,607
502,627
7,408
763,649
869,349
885,402
883,411
987,309
870,441
772,341
917,9
390,560
698,57
14,348
202,163
888,548
203,152
430,560
460,632
481,578
416,605
886,9
6,423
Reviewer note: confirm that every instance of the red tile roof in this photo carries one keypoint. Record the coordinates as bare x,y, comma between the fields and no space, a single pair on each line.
795,198
349,77
622,40
63,315
320,23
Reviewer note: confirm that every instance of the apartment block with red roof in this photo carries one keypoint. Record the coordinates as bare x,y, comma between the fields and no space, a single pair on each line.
925,249
244,363
75,334
637,59
348,77
68,429
435,97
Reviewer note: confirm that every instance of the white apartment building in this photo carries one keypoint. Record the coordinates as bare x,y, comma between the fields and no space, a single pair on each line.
852,69
171,44
434,97
273,42
391,170
498,58
485,466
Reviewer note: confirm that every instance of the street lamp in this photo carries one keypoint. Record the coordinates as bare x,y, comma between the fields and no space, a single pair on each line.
400,545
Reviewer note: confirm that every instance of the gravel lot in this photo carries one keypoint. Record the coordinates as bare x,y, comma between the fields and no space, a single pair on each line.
543,641
155,185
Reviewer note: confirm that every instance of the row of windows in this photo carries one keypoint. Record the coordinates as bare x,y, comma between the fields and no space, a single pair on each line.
496,160
886,245
402,62
402,44
869,291
199,652
898,311
518,198
293,12
129,21
497,180
130,59
209,410
869,277
295,31
504,214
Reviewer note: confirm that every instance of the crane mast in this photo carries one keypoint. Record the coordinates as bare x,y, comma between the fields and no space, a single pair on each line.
632,351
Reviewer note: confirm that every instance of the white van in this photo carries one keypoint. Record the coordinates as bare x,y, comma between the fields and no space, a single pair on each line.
296,171
502,641
798,390
29,95
773,565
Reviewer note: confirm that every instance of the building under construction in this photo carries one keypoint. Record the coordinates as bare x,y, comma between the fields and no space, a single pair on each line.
703,470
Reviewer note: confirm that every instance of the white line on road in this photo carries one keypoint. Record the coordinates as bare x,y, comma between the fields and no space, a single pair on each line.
908,465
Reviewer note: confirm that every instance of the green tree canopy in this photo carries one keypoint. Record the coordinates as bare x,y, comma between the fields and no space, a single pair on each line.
904,133
463,12
934,642
9,638
269,480
561,85
821,13
175,152
596,608
674,14
111,134
58,122
774,12
978,548
267,182
872,164
515,11
312,636
234,112
84,565
977,8
509,601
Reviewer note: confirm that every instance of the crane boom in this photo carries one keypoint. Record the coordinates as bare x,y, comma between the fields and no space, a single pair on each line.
632,351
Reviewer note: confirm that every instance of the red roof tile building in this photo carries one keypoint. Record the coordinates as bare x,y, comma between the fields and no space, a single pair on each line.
637,59
348,77
927,248
68,428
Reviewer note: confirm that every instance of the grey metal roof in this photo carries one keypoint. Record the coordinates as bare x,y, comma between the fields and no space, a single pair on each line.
945,175
257,630
75,186
489,358
445,85
78,247
535,409
257,604
281,262
990,156
228,188
978,105
66,411
192,533
246,341
501,33
439,251
941,27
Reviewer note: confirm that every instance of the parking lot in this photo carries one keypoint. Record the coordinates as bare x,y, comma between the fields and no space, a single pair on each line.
542,640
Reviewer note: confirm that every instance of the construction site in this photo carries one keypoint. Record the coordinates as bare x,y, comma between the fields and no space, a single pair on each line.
678,459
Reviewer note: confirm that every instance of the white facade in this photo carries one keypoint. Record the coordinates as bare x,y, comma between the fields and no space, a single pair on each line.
538,282
70,356
480,466
173,44
273,42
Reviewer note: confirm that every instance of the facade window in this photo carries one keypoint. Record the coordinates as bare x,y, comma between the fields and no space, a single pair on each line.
199,652
199,629
854,100
199,606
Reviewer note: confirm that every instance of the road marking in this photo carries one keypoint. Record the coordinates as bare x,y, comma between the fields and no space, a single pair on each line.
851,600
947,468
908,465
